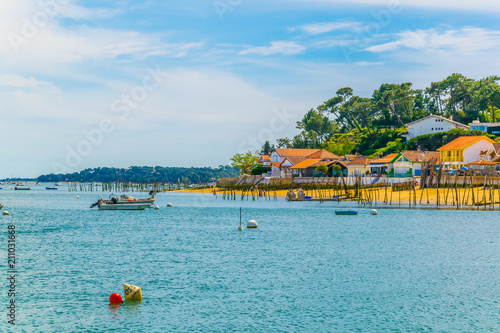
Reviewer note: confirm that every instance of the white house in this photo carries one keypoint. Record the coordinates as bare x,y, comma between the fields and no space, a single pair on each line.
432,124
493,153
358,166
463,150
408,163
282,159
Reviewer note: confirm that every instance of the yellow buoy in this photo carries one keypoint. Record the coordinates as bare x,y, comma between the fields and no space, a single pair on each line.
132,293
5,212
170,205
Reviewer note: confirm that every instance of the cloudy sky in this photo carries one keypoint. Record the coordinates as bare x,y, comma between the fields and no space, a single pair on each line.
191,82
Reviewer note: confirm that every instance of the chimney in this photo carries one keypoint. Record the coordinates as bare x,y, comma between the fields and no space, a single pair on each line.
451,117
418,152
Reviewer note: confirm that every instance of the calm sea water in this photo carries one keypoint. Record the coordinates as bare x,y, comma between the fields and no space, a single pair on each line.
303,270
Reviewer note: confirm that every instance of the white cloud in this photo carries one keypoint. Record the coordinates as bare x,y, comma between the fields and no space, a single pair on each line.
369,63
324,27
278,47
457,5
36,38
465,40
30,83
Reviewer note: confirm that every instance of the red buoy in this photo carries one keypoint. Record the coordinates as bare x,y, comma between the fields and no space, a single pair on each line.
115,298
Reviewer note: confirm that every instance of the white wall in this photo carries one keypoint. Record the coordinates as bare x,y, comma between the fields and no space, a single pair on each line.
471,153
431,125
402,167
275,171
275,157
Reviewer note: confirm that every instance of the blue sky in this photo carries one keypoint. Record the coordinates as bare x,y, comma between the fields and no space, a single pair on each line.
190,83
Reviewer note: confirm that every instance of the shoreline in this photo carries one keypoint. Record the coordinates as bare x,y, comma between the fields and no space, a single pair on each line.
477,198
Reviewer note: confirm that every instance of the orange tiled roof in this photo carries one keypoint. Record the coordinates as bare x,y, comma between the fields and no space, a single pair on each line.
323,154
385,159
305,163
275,164
266,157
360,160
294,159
463,142
286,152
482,162
350,157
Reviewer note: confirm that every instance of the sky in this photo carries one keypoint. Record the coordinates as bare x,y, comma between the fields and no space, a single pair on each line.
122,83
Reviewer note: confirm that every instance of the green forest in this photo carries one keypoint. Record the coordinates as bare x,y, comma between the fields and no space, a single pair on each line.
348,124
145,174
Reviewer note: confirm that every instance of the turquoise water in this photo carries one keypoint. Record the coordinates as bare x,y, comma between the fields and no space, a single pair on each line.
303,270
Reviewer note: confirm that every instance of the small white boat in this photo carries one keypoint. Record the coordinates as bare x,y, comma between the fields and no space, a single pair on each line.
22,188
109,206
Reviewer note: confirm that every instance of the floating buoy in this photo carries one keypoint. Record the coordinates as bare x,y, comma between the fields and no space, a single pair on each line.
115,298
5,213
252,224
156,207
373,212
77,197
132,293
170,205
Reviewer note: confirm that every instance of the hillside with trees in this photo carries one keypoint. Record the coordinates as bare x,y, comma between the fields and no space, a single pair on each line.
348,124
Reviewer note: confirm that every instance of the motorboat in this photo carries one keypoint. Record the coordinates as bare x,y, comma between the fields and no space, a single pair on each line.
111,206
22,188
125,203
51,188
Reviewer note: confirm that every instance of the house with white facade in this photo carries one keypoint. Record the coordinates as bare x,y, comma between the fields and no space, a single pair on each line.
358,166
464,150
493,153
408,163
282,159
432,124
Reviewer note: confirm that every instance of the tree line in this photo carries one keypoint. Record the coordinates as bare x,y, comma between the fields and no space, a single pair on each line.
145,174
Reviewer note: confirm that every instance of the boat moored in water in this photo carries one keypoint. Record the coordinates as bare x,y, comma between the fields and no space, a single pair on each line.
110,206
22,188
125,203
346,212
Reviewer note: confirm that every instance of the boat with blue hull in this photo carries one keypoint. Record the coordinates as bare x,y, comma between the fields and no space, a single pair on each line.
346,212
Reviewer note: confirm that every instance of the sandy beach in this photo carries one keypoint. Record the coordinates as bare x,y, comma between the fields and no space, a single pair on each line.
471,197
